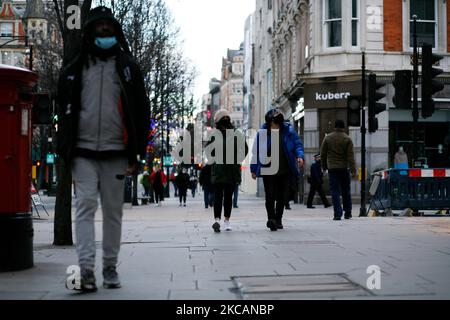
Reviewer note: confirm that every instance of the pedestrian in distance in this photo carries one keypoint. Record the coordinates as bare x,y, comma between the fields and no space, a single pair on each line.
226,174
103,112
338,158
316,182
290,155
236,196
144,180
193,185
172,179
183,181
236,191
159,182
205,183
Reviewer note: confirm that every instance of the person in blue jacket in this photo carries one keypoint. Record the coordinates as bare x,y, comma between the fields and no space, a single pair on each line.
276,163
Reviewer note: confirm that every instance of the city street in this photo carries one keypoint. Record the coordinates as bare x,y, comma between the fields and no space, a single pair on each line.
172,253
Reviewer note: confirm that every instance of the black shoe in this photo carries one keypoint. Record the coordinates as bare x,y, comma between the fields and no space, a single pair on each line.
328,206
272,225
235,207
337,219
216,227
288,208
348,217
280,225
87,281
111,278
310,207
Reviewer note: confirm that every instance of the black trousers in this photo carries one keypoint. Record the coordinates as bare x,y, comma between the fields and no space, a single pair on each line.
182,193
223,195
316,187
277,194
159,194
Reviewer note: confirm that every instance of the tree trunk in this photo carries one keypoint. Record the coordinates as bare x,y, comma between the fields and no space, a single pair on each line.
63,208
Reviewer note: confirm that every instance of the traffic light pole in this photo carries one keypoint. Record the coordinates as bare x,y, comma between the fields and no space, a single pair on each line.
362,212
415,93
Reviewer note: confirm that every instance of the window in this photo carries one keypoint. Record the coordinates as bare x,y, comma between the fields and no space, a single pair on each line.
6,29
355,22
426,22
269,4
333,23
7,57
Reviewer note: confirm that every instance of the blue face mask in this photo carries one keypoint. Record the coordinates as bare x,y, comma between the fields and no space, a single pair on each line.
105,43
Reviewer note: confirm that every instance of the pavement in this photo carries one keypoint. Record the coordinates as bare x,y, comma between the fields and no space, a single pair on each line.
172,253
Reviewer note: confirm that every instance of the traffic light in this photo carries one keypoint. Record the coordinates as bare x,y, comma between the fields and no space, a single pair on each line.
354,111
429,86
374,106
402,84
42,110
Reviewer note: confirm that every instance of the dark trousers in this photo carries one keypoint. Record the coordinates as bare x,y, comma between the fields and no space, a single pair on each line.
223,195
316,187
176,189
340,186
159,195
277,194
208,196
182,194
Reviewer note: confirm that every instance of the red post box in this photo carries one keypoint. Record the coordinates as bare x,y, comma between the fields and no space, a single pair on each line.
16,219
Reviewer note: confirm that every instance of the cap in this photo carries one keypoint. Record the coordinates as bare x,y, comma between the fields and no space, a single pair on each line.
221,113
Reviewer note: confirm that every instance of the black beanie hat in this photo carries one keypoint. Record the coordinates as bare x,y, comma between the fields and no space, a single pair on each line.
98,13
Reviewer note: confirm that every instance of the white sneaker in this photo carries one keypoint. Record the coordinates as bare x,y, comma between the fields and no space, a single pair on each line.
227,226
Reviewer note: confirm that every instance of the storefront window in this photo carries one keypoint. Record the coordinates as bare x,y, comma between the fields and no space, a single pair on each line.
426,22
6,57
333,23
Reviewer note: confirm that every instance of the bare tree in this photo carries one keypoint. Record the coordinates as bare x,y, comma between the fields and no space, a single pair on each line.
71,47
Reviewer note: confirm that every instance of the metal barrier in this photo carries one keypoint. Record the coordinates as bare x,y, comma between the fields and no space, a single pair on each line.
416,189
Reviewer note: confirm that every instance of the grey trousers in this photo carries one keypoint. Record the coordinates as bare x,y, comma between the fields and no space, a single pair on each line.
94,178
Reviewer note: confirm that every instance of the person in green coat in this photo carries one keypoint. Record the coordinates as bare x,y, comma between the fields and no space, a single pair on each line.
224,175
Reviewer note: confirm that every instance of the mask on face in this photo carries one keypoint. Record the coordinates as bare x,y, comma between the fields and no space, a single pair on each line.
279,119
105,43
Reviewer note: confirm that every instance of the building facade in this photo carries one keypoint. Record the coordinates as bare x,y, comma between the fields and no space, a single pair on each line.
17,19
232,88
316,52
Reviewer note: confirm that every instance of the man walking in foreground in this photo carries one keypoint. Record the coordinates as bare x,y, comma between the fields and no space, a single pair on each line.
104,115
290,158
338,158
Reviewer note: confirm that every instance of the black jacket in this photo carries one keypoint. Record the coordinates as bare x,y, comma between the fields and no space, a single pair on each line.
135,104
316,173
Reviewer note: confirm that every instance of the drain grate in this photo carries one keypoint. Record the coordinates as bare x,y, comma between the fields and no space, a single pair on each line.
324,284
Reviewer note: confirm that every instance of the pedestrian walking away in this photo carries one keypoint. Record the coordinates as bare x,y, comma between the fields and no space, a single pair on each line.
338,158
225,175
159,182
182,182
316,182
290,158
103,114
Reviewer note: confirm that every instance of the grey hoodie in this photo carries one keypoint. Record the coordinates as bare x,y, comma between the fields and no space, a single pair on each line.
102,126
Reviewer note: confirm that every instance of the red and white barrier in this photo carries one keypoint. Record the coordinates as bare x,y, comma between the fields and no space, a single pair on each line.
429,173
